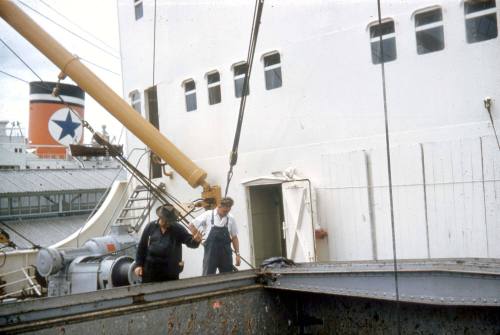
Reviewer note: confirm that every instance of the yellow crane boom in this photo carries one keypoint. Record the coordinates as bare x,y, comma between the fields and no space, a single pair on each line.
107,98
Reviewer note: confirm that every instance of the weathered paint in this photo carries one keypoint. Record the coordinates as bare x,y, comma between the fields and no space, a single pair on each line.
278,312
312,298
246,312
323,314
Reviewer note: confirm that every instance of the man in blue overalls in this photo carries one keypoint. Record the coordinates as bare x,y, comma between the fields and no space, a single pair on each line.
220,230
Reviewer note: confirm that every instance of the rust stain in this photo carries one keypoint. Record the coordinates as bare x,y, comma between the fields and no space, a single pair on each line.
249,325
217,304
138,299
171,322
224,326
191,323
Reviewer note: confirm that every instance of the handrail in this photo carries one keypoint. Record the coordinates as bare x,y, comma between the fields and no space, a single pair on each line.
26,278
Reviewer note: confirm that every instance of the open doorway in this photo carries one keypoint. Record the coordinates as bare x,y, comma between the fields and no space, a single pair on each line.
267,218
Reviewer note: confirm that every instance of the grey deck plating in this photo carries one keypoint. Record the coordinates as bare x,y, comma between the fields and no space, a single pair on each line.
456,282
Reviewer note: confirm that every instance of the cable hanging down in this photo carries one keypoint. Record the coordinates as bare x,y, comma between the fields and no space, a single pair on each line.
259,5
389,172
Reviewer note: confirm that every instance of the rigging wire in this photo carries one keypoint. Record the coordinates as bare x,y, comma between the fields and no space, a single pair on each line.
98,204
154,44
157,191
150,169
99,66
12,76
83,59
68,30
389,171
137,164
80,27
22,60
259,4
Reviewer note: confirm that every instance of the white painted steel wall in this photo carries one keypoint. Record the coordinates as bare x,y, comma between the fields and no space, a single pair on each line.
327,120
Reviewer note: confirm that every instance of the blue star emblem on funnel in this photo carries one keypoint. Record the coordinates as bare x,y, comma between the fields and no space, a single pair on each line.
68,126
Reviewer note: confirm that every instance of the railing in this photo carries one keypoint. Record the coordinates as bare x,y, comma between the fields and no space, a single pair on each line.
21,278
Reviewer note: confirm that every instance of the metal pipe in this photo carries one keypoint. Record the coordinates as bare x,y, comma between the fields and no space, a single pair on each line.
104,95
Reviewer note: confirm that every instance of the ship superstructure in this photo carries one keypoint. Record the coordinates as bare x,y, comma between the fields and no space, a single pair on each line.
357,124
315,112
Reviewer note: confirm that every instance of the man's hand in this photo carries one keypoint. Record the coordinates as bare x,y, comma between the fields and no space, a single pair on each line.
139,271
238,260
320,233
197,236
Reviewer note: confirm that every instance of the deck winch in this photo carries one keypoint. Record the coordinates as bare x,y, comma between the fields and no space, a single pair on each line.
102,262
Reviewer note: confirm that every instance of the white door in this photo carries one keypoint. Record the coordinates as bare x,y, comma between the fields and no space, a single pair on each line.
298,225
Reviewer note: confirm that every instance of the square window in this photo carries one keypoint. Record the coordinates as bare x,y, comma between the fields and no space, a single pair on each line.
430,40
429,31
472,6
240,72
213,82
481,28
388,45
135,100
480,20
382,29
138,9
272,71
428,17
190,93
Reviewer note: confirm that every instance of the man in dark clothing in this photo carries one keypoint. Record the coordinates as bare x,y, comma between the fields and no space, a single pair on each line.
159,253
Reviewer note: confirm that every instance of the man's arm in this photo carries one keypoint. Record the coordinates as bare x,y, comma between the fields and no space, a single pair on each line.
142,249
197,223
193,229
236,246
192,241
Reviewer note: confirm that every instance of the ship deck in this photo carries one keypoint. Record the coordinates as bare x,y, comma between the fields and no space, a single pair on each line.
452,294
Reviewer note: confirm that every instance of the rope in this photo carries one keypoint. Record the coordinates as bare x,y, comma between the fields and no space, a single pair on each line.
12,76
78,26
389,172
22,60
69,31
150,169
139,160
259,4
154,44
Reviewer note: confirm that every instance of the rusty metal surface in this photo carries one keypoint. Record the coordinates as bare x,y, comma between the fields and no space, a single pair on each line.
239,303
253,309
325,314
239,312
18,314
